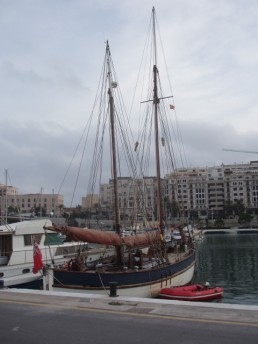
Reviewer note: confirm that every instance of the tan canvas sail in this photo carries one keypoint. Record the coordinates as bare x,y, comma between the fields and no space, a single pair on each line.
106,238
88,235
145,239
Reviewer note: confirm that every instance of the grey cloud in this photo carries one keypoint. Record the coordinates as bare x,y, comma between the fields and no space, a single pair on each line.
51,56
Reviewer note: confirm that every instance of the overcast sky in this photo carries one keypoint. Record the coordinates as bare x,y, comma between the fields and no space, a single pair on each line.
52,53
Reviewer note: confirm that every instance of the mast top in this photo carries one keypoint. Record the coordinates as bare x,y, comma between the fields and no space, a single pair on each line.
107,46
154,36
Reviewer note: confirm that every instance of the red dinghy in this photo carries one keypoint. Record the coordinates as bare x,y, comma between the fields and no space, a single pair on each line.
194,292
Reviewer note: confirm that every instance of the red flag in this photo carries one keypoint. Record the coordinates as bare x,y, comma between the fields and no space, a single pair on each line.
37,258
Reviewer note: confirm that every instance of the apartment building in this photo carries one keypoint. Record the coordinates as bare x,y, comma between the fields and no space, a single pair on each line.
203,192
135,197
197,192
6,192
241,183
90,202
192,192
44,203
188,189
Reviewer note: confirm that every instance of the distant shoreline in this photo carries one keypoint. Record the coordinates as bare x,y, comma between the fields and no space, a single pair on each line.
231,231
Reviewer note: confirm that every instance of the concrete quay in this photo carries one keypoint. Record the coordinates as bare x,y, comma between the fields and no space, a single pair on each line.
218,313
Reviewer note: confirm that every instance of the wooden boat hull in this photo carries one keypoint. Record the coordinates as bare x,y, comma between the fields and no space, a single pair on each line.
140,283
190,293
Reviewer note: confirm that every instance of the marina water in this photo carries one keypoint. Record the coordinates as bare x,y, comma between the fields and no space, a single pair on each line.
230,261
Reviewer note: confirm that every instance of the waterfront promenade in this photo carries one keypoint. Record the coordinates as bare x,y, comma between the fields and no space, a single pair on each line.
84,318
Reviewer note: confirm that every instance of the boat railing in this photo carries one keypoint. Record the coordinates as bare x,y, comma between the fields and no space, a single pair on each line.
49,253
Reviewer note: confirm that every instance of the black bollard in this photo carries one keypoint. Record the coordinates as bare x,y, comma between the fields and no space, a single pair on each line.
2,284
112,286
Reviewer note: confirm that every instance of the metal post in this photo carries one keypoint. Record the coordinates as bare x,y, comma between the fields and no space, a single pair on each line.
113,286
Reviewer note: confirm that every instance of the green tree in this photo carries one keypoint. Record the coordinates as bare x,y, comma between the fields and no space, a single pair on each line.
245,218
219,223
239,207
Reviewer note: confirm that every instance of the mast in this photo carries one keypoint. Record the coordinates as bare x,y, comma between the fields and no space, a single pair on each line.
112,85
156,101
6,187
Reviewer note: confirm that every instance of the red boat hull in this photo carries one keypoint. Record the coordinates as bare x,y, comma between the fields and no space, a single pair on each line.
195,292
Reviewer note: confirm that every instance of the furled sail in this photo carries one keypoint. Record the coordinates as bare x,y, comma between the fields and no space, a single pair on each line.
88,235
145,239
106,238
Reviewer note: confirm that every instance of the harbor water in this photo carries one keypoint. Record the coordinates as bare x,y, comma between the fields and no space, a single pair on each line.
230,261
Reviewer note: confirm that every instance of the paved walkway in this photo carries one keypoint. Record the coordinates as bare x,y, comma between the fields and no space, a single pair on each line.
194,311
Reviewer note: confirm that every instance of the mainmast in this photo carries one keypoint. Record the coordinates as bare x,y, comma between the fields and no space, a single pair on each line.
112,85
156,101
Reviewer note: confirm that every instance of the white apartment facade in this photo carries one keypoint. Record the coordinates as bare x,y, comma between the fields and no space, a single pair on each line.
197,192
50,203
90,202
28,203
203,192
135,197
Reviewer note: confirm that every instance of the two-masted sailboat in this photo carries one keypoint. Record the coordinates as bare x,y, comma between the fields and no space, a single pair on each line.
142,264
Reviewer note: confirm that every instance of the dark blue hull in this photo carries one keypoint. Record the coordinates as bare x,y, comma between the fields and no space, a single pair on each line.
37,284
94,280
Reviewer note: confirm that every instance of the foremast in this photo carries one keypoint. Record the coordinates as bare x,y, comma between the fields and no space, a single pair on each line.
111,85
156,101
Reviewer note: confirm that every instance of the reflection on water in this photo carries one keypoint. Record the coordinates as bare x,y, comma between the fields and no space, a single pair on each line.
230,261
